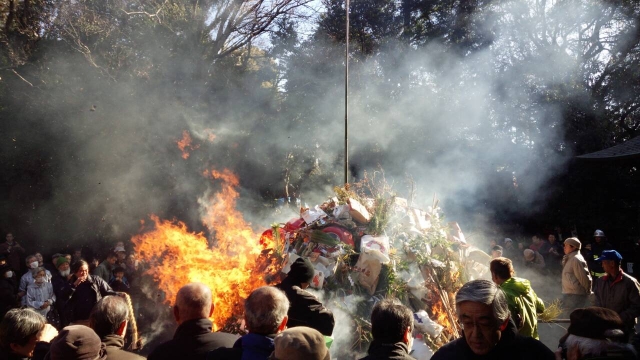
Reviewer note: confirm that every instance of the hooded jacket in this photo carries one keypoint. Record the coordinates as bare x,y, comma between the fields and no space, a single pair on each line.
524,302
510,346
381,351
576,279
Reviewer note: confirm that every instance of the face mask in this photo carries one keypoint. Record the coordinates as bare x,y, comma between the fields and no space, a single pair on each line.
8,274
39,280
34,265
65,273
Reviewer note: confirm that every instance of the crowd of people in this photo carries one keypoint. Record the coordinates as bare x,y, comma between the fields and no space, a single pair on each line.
74,309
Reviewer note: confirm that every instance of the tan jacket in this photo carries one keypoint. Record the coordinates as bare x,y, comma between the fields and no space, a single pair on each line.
575,275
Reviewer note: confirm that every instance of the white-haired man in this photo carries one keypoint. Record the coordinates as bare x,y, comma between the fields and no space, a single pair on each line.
489,332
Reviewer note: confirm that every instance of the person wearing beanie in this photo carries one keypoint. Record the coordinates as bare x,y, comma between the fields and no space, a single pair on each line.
618,291
300,343
77,342
595,332
306,309
576,280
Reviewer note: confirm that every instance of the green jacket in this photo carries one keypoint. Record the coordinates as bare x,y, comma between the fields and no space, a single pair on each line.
523,300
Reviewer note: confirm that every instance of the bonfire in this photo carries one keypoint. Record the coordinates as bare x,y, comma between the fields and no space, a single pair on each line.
364,241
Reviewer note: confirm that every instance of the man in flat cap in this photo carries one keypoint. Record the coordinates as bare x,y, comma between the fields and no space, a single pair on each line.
618,291
576,280
305,309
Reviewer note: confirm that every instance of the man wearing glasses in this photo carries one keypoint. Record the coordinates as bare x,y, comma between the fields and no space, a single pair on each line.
488,331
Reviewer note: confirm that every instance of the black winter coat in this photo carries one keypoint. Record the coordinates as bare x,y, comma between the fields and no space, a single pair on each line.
511,346
381,351
72,302
306,310
193,340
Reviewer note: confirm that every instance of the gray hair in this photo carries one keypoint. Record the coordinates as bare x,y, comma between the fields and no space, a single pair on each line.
35,271
264,310
108,314
488,293
26,260
18,327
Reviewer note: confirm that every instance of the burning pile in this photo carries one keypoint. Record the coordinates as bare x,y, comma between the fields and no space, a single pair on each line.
364,242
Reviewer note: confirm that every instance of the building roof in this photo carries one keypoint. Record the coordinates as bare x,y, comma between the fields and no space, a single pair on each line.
626,150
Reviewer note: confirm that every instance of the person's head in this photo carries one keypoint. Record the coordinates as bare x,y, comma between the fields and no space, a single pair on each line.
62,264
598,235
552,239
483,314
529,255
39,258
31,261
194,301
610,261
5,271
131,260
265,310
19,331
535,239
300,342
508,243
118,273
77,254
496,252
38,275
501,270
80,269
520,246
77,342
590,332
571,244
9,238
119,244
112,257
301,272
109,316
68,256
391,322
493,243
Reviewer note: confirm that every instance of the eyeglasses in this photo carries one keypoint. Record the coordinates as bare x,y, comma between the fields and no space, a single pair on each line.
484,325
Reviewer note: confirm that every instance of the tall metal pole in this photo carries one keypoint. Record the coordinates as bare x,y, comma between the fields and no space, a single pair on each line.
346,100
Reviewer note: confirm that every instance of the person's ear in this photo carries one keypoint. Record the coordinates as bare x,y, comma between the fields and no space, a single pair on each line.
406,338
503,326
211,310
122,329
283,324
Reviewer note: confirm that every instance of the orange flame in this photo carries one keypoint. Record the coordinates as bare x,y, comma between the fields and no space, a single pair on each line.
440,314
178,256
186,144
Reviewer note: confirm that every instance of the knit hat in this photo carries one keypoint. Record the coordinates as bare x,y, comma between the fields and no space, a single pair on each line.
77,342
302,271
574,242
592,322
300,342
529,254
61,260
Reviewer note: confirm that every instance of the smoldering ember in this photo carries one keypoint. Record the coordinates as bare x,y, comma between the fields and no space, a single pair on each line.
399,149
